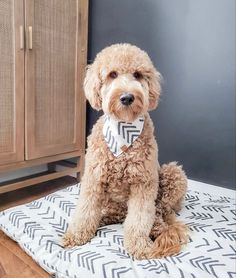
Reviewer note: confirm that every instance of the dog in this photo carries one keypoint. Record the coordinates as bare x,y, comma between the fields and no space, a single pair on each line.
123,181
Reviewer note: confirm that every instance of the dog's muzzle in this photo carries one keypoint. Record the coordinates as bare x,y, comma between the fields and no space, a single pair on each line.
127,99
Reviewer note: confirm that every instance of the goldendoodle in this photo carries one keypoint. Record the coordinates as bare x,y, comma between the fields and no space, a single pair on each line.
122,180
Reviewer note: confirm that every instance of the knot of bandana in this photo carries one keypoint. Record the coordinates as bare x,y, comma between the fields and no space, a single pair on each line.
120,135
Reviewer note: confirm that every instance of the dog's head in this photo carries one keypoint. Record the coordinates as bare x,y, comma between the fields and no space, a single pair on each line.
123,82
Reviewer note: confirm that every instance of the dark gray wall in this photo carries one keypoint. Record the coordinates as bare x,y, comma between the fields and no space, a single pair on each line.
192,43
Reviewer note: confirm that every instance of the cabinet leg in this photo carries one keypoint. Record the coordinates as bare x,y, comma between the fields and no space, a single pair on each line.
80,164
78,176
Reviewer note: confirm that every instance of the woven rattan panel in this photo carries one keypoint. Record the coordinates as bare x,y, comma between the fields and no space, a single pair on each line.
6,76
54,44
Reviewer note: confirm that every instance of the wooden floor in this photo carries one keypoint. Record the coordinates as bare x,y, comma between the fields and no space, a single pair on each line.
14,262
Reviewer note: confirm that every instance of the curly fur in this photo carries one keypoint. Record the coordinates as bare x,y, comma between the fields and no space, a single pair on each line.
131,188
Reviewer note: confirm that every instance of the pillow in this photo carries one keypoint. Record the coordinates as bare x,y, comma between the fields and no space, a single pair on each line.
38,228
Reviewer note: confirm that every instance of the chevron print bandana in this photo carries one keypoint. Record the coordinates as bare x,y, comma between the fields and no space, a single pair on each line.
119,135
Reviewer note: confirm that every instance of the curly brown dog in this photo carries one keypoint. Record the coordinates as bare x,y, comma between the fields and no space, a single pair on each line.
131,187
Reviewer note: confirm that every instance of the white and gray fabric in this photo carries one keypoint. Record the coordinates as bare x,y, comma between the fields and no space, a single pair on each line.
119,135
38,228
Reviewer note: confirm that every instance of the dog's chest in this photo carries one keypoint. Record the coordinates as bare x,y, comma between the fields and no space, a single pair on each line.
120,173
117,187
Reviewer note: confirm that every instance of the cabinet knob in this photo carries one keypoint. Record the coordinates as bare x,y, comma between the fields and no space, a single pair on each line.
30,33
21,37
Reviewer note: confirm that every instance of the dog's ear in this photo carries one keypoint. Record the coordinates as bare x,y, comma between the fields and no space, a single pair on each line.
154,88
92,86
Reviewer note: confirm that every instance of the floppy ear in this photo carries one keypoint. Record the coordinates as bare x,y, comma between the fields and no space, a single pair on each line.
154,88
92,86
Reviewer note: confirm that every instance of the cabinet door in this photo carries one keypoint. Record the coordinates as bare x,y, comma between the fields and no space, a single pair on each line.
11,81
53,92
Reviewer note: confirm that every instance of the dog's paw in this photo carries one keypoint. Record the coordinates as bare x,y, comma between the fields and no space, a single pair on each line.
139,247
77,238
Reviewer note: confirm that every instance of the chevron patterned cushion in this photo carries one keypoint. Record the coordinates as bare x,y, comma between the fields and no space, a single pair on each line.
38,228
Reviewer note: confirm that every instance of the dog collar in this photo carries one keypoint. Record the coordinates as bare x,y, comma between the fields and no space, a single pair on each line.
120,135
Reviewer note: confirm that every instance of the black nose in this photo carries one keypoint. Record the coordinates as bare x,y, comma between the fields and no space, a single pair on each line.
127,99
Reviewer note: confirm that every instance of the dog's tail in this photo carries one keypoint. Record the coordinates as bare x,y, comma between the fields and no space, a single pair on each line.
170,241
168,233
172,186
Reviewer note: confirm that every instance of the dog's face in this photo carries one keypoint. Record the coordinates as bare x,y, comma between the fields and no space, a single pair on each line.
123,82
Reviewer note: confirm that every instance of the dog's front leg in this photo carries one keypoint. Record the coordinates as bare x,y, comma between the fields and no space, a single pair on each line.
140,219
88,211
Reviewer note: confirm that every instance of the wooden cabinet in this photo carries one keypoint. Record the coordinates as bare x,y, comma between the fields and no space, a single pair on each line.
43,56
11,82
52,122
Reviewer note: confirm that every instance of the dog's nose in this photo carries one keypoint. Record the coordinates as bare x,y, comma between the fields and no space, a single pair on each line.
127,99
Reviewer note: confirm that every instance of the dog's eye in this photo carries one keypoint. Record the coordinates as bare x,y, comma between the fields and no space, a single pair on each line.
113,74
137,75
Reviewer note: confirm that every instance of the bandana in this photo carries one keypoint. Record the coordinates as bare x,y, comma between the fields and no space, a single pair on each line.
119,136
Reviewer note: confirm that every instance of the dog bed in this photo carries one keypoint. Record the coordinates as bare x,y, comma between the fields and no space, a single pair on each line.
38,228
